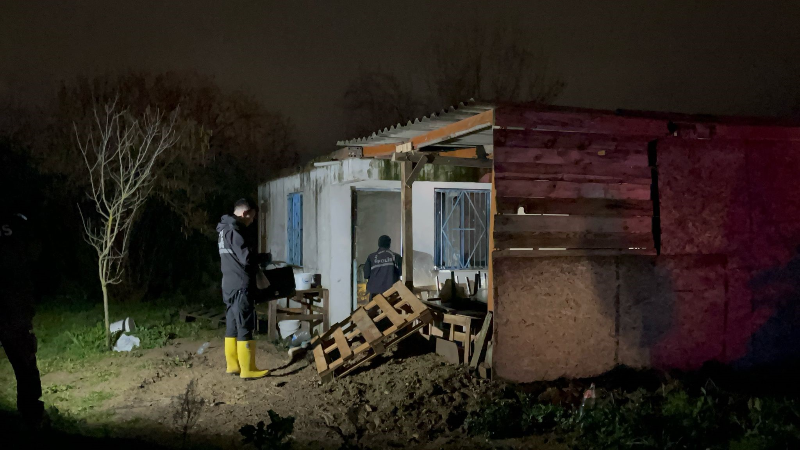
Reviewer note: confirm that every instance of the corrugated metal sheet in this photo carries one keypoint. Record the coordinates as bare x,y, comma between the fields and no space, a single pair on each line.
397,134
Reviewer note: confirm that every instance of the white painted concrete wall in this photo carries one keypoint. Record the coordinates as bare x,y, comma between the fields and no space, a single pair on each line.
327,216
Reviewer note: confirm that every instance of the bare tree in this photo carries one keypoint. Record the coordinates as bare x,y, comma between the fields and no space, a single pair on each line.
493,64
377,99
490,64
120,152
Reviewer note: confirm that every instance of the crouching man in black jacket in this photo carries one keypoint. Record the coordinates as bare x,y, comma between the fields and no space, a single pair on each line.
239,267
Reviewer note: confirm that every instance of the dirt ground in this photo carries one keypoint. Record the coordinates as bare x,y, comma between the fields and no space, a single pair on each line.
409,399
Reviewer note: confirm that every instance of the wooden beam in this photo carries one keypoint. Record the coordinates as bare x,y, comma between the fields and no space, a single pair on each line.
378,150
418,166
513,223
599,122
580,206
573,156
463,162
574,240
438,159
490,276
572,252
451,131
571,190
471,152
583,173
406,196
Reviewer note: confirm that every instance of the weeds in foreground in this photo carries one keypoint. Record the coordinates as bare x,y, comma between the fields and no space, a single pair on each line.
188,408
273,436
71,334
671,418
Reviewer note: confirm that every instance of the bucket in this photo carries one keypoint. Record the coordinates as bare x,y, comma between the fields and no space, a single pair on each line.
288,327
126,325
302,281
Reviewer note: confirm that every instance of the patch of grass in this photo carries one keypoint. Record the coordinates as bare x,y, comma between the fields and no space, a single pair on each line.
57,388
89,402
71,334
104,375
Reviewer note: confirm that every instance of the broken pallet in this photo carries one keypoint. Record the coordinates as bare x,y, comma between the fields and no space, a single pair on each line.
213,315
369,331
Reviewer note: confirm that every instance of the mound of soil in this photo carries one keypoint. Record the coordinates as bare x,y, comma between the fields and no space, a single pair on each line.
418,399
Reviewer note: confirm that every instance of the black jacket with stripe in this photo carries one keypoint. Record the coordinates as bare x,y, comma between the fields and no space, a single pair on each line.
239,258
382,270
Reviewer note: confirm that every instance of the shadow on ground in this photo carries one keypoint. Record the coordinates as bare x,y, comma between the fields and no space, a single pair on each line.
70,433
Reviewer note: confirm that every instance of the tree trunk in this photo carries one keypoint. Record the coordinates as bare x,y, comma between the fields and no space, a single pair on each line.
105,308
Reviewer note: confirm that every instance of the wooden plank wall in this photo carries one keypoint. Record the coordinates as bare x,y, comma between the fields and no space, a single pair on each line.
579,191
717,204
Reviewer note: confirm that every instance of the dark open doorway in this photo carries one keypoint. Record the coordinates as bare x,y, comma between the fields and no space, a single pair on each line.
375,213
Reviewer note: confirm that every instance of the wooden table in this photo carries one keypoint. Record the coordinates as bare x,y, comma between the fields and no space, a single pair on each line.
314,309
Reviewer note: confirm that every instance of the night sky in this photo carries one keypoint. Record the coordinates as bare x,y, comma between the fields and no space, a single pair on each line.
724,57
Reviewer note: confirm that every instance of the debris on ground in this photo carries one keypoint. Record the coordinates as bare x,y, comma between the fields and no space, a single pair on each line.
126,343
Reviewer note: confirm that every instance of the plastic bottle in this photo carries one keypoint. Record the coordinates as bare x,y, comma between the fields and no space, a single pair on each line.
300,339
588,399
202,348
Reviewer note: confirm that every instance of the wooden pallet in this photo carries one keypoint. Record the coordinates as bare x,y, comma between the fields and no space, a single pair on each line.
214,315
372,329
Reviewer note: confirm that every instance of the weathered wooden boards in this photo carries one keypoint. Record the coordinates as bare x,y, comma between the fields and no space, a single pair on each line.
213,315
369,332
314,309
484,336
572,189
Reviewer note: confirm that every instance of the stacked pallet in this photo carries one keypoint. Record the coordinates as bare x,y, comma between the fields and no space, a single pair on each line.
214,315
371,330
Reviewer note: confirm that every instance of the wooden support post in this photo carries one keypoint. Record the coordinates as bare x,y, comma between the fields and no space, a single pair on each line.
272,320
418,166
490,276
407,168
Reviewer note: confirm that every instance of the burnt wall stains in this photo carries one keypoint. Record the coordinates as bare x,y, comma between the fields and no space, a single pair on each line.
390,170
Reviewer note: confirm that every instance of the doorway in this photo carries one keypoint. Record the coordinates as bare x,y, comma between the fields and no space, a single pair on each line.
375,213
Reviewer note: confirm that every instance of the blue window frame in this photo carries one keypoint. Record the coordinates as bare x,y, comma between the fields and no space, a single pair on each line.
294,230
462,229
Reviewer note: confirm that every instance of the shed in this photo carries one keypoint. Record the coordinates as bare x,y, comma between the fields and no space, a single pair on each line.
617,237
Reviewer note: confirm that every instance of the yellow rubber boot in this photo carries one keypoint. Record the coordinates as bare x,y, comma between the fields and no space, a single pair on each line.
247,361
231,356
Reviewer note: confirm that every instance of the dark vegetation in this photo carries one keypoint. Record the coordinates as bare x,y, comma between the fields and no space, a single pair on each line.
272,436
633,409
235,144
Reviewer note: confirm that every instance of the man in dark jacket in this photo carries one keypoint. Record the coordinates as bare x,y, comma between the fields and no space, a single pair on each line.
239,261
17,298
383,268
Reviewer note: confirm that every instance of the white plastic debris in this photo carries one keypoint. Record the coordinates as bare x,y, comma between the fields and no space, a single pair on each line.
126,343
126,325
202,348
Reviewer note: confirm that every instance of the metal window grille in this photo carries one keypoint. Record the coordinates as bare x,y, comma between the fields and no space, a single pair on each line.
462,225
294,241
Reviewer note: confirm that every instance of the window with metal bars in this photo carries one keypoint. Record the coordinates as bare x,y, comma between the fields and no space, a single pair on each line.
294,230
462,229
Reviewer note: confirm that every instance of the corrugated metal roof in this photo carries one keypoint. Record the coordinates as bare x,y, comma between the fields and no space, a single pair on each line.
398,133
